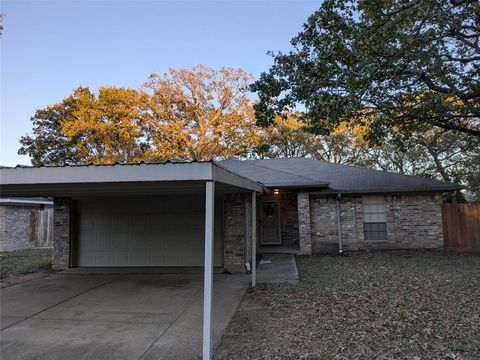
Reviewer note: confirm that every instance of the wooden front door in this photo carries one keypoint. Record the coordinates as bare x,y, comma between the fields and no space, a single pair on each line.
270,217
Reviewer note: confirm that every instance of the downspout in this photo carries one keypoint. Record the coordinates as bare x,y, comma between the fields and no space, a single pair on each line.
254,238
339,224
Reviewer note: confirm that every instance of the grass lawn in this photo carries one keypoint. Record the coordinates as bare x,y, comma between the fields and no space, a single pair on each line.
389,305
24,261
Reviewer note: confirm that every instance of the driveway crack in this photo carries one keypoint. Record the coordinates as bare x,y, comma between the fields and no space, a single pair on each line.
60,302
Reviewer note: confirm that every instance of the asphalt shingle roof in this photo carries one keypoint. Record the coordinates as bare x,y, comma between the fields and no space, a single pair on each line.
302,172
269,176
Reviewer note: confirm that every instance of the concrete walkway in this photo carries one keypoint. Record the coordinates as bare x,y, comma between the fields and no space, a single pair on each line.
277,268
128,316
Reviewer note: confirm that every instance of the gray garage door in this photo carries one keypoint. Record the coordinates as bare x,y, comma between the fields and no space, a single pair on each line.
153,231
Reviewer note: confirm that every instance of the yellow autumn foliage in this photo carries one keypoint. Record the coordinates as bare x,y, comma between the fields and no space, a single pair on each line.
201,113
193,114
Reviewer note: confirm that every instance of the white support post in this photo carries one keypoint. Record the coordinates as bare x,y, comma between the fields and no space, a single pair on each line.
208,277
254,239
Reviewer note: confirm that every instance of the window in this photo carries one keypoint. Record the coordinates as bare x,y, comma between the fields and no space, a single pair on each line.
374,218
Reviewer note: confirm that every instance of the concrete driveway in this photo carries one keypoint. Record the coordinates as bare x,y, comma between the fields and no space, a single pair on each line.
128,316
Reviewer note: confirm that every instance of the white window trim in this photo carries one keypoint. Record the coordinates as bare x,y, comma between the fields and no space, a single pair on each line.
378,201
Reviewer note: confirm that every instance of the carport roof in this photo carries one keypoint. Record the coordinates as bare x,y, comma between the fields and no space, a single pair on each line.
149,178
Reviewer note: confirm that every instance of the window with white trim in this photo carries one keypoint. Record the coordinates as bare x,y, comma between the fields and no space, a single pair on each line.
374,218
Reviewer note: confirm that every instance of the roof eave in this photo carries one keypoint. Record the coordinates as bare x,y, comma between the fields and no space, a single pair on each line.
391,190
296,185
219,173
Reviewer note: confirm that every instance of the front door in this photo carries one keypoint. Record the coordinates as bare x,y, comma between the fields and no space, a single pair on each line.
270,224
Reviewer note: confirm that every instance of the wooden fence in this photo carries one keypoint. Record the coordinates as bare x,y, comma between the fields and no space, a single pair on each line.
461,226
41,228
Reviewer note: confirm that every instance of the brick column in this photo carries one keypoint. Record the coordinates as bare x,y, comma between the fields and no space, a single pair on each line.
234,233
304,231
61,233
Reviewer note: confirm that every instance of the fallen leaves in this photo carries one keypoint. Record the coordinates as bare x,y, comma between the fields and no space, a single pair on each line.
400,305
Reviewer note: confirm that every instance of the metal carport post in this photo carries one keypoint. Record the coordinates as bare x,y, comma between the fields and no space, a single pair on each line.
254,238
208,271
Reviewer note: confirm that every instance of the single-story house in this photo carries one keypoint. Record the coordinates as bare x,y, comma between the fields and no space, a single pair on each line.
134,215
210,214
25,223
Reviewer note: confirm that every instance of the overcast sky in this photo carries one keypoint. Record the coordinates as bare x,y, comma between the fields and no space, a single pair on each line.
50,47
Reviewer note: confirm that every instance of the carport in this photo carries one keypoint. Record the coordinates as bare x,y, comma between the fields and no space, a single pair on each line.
138,215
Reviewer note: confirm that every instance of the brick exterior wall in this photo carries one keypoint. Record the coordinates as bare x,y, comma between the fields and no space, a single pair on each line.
323,224
25,226
418,217
61,233
413,221
15,227
234,226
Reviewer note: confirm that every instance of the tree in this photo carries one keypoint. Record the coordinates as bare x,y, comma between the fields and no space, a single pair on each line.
49,145
201,114
346,144
2,16
289,135
197,114
286,136
84,128
446,155
110,127
412,62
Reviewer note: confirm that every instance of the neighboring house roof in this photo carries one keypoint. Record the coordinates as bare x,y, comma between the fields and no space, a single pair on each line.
335,177
26,201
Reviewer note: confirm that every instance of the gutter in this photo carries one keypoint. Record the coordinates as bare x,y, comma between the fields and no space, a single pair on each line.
339,224
392,191
26,201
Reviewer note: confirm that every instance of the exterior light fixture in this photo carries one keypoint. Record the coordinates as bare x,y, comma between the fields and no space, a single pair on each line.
276,191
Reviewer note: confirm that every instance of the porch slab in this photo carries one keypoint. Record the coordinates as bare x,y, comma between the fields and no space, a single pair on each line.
277,268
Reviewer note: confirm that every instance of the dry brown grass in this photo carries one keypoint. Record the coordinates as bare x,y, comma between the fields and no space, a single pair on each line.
391,305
